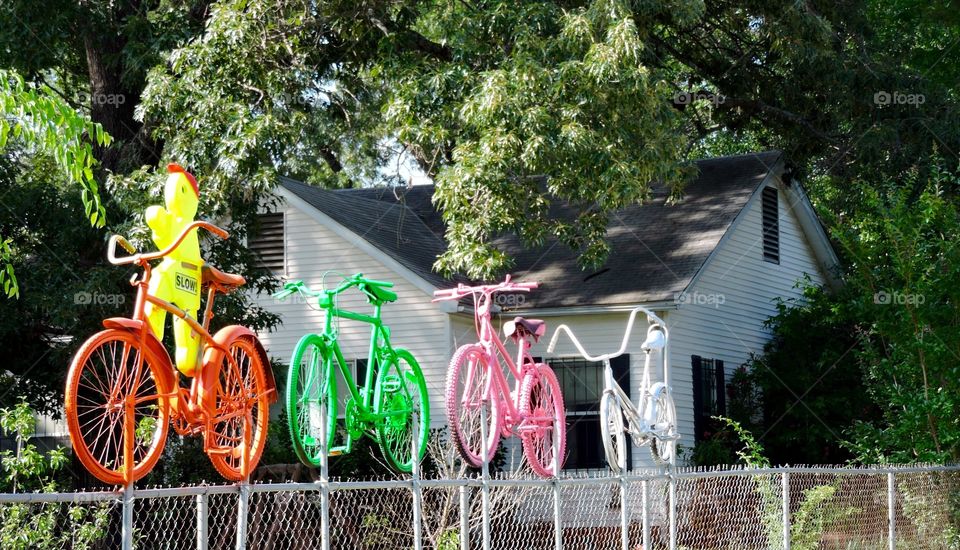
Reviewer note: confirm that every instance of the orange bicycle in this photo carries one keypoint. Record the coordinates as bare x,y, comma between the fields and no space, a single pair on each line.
123,391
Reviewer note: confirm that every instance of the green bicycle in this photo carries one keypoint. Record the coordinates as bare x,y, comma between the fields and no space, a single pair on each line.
386,411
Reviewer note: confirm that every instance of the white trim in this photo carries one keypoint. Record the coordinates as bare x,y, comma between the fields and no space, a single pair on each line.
803,210
359,242
772,176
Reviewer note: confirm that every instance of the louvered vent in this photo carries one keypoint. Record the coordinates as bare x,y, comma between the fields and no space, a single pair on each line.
267,241
771,226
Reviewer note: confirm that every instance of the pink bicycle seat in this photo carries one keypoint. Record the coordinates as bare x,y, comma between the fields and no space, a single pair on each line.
520,327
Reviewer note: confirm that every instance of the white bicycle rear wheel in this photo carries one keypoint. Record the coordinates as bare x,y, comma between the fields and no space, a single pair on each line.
663,444
614,436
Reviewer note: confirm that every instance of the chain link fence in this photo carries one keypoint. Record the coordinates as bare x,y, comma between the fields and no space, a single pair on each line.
743,509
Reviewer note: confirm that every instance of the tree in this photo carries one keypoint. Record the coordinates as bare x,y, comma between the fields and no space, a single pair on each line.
516,107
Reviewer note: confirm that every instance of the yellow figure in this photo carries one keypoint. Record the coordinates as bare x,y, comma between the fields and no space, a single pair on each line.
177,278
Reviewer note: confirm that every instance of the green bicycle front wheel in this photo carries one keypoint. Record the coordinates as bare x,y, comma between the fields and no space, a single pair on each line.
310,387
403,409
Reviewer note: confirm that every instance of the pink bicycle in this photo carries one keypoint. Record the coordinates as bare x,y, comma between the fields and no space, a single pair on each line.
476,383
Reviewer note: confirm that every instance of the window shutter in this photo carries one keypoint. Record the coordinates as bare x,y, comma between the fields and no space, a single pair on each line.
771,225
721,388
621,371
361,371
697,396
268,242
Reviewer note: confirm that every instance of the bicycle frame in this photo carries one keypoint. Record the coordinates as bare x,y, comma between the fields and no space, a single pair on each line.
611,386
379,333
195,410
494,349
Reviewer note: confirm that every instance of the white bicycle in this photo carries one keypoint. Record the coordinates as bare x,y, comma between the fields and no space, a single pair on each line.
654,421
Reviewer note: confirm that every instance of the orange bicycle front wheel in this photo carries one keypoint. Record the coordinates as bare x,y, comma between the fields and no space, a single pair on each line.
242,411
114,408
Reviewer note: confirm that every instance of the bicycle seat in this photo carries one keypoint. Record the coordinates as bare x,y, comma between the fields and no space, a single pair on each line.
377,292
222,281
520,327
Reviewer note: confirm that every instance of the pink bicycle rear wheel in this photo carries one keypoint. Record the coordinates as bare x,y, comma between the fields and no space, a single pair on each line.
541,406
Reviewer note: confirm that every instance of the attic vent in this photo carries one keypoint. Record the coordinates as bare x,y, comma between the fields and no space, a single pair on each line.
771,226
267,241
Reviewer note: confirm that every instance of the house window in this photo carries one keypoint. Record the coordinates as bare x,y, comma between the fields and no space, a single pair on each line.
581,382
266,241
771,226
358,370
709,394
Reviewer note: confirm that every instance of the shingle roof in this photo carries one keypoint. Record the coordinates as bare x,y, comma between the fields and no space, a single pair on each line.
656,249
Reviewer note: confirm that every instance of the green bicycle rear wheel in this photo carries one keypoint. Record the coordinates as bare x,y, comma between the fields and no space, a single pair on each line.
400,397
311,385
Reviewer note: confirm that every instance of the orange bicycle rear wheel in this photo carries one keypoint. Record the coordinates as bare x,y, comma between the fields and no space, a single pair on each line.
114,407
242,411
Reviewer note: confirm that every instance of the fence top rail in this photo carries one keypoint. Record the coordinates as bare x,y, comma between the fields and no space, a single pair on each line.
572,479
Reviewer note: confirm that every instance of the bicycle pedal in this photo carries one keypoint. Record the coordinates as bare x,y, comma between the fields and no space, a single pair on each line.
336,451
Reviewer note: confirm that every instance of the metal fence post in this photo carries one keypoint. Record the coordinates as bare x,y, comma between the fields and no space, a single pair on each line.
624,514
484,479
785,488
464,516
415,481
324,478
202,521
243,506
892,510
645,512
673,510
557,503
127,532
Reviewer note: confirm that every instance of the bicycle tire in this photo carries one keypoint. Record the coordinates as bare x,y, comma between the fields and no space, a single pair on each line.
463,414
305,396
238,440
99,441
612,431
398,392
541,398
663,450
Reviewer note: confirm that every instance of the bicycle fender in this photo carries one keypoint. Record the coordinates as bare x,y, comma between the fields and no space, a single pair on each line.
223,337
167,379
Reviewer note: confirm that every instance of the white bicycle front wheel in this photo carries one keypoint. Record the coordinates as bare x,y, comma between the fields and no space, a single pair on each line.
614,436
663,444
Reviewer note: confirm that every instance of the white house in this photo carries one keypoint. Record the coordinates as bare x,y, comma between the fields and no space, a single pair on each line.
712,266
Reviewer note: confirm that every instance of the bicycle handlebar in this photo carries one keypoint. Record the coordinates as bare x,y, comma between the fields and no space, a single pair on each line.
464,290
301,287
138,258
651,316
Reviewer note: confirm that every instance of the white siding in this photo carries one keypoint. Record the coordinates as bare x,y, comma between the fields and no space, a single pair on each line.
415,323
729,331
735,293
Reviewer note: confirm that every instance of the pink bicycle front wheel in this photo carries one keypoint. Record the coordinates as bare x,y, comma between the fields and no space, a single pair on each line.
545,420
467,395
